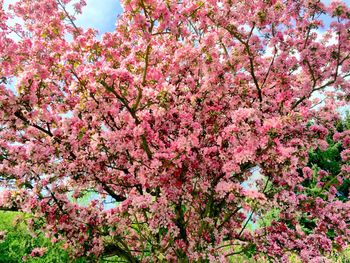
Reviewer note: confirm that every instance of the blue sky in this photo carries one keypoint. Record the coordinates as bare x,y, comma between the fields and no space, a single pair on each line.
100,14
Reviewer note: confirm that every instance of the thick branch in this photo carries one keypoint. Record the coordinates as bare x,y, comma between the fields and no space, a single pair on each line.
9,209
20,116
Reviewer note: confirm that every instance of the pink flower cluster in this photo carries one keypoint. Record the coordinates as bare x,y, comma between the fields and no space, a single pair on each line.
38,252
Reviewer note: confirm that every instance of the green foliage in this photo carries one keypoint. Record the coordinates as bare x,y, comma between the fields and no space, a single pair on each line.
268,217
330,159
19,242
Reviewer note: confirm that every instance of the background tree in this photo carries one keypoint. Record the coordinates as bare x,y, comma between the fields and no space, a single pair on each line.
329,161
166,117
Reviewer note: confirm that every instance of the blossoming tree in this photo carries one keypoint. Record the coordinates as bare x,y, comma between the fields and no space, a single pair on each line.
164,119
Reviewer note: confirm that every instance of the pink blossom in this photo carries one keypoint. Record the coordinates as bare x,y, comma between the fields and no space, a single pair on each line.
38,252
139,142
